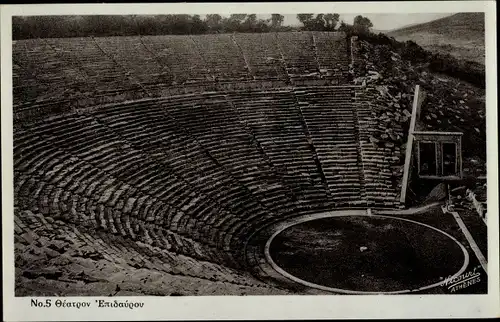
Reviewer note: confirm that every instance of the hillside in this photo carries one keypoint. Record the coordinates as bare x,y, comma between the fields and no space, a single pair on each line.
461,35
451,104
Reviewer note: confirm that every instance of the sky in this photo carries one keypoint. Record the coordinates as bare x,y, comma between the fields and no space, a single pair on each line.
380,21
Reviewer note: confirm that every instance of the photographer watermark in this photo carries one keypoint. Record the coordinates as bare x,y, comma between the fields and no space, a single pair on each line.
462,281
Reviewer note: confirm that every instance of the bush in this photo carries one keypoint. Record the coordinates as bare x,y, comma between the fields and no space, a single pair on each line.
464,70
414,53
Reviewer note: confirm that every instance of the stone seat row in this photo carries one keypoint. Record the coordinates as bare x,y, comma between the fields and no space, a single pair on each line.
94,183
231,146
286,145
119,250
104,63
111,218
100,154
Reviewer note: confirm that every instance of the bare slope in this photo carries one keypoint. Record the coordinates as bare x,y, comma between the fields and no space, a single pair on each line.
461,35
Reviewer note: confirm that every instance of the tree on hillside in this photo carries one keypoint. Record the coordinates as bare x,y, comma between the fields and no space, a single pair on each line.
322,21
262,25
233,23
342,26
238,16
130,25
250,23
331,20
144,25
305,19
213,22
362,24
345,27
198,25
276,20
318,23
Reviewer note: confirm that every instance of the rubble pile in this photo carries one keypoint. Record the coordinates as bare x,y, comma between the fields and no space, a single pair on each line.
450,104
471,198
384,130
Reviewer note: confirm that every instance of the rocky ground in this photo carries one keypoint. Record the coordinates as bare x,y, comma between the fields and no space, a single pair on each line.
450,104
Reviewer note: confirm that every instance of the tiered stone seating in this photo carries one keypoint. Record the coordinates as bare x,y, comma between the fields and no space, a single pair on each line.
148,127
74,207
277,125
21,90
299,53
223,57
24,86
263,55
249,148
76,75
377,157
204,142
34,232
333,56
105,171
181,55
216,125
78,72
101,70
136,58
40,74
330,117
